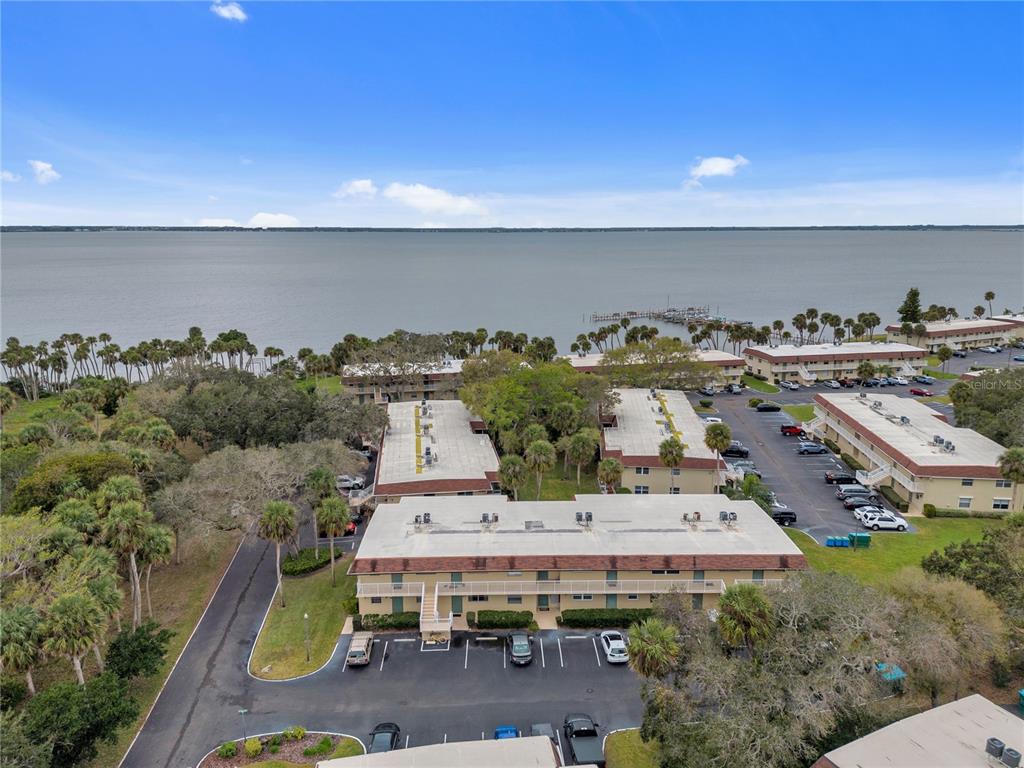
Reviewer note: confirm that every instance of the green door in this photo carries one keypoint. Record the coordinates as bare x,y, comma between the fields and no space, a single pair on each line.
397,605
611,601
457,599
542,602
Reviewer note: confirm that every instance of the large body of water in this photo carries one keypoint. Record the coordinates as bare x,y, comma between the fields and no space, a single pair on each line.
292,289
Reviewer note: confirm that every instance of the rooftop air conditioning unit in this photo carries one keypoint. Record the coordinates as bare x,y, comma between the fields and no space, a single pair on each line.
423,402
950,447
427,450
428,460
417,520
904,419
579,518
994,747
723,516
654,392
426,517
938,439
732,517
864,395
485,518
494,518
876,404
1010,757
686,517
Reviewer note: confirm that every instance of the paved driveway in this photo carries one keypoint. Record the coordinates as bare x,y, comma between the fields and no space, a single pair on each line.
434,696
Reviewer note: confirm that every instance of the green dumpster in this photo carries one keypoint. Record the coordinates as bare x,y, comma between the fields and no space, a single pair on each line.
860,540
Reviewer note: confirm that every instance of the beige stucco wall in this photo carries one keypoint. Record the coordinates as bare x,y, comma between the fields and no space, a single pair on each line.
966,340
659,480
824,370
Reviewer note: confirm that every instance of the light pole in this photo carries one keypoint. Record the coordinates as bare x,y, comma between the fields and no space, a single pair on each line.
305,626
243,713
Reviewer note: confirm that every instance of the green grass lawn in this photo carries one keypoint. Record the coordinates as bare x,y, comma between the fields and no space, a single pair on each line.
936,373
280,649
328,385
24,413
937,399
801,412
625,749
760,386
889,551
556,487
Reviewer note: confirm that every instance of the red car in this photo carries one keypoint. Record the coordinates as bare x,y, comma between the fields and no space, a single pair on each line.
350,529
921,392
792,429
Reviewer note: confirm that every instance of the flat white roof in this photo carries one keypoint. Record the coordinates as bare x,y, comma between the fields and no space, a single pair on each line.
849,348
644,421
716,356
1017,319
437,367
961,325
916,439
524,752
950,736
446,431
623,524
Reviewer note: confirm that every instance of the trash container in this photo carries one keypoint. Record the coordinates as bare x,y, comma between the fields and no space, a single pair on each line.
860,540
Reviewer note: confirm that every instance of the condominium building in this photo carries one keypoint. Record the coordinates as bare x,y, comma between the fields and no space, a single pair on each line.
436,448
955,735
810,363
904,444
637,426
402,383
443,557
1017,321
961,333
729,368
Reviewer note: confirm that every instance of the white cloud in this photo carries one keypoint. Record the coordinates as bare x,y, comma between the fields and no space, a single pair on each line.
218,223
8,176
245,160
44,172
715,166
273,220
212,198
230,11
431,200
357,188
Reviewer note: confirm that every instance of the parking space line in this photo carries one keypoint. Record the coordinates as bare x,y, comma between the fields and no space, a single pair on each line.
541,641
504,657
576,637
445,739
345,665
407,741
404,640
481,735
466,664
558,736
596,654
383,655
560,659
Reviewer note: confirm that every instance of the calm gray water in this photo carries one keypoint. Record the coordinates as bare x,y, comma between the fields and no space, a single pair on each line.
293,289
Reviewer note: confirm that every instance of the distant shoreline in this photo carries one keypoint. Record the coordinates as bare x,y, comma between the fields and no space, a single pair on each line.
500,230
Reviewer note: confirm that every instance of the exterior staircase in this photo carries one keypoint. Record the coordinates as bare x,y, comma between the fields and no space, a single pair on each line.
806,375
432,625
875,476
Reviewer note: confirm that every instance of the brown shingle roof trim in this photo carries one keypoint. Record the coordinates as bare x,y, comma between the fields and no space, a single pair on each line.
420,487
577,563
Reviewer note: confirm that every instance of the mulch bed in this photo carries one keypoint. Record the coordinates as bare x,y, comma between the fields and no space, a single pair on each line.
289,751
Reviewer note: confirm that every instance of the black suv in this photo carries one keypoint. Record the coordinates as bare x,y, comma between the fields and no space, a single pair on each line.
383,738
840,478
768,407
519,648
784,516
736,451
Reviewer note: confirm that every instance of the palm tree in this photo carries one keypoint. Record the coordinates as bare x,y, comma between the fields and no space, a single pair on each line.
990,297
6,403
157,547
944,353
865,371
277,524
1011,467
512,474
74,624
125,529
319,486
540,457
20,638
333,513
609,472
671,452
118,490
581,449
744,615
653,648
717,438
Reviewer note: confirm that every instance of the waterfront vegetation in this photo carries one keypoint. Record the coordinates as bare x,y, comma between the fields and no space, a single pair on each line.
280,650
759,386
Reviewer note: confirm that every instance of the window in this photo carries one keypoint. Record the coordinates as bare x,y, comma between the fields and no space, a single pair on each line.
1000,503
758,576
698,575
665,571
632,597
515,573
642,489
376,600
964,502
675,471
478,598
515,599
677,490
643,470
1004,483
583,597
967,482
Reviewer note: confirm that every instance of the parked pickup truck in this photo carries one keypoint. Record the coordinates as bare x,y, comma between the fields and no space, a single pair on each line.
360,648
792,429
585,745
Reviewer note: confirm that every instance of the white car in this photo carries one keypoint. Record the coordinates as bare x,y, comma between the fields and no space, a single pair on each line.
888,521
898,380
789,385
712,420
614,645
991,350
867,509
350,483
833,384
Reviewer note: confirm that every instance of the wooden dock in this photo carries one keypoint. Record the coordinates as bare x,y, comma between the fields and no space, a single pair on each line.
682,316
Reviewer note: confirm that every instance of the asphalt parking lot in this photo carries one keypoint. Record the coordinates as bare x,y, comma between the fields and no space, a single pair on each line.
568,673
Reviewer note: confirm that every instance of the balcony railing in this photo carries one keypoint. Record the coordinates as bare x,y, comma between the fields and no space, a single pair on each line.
878,459
404,589
759,582
583,587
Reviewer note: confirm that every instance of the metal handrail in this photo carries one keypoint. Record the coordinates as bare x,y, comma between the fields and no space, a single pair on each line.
581,587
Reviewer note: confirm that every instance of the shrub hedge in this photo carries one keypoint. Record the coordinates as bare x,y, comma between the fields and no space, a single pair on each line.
754,402
893,498
306,561
930,510
503,619
253,747
227,750
705,403
851,462
406,620
603,617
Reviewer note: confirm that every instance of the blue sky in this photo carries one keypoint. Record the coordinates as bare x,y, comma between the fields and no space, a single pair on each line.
460,114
